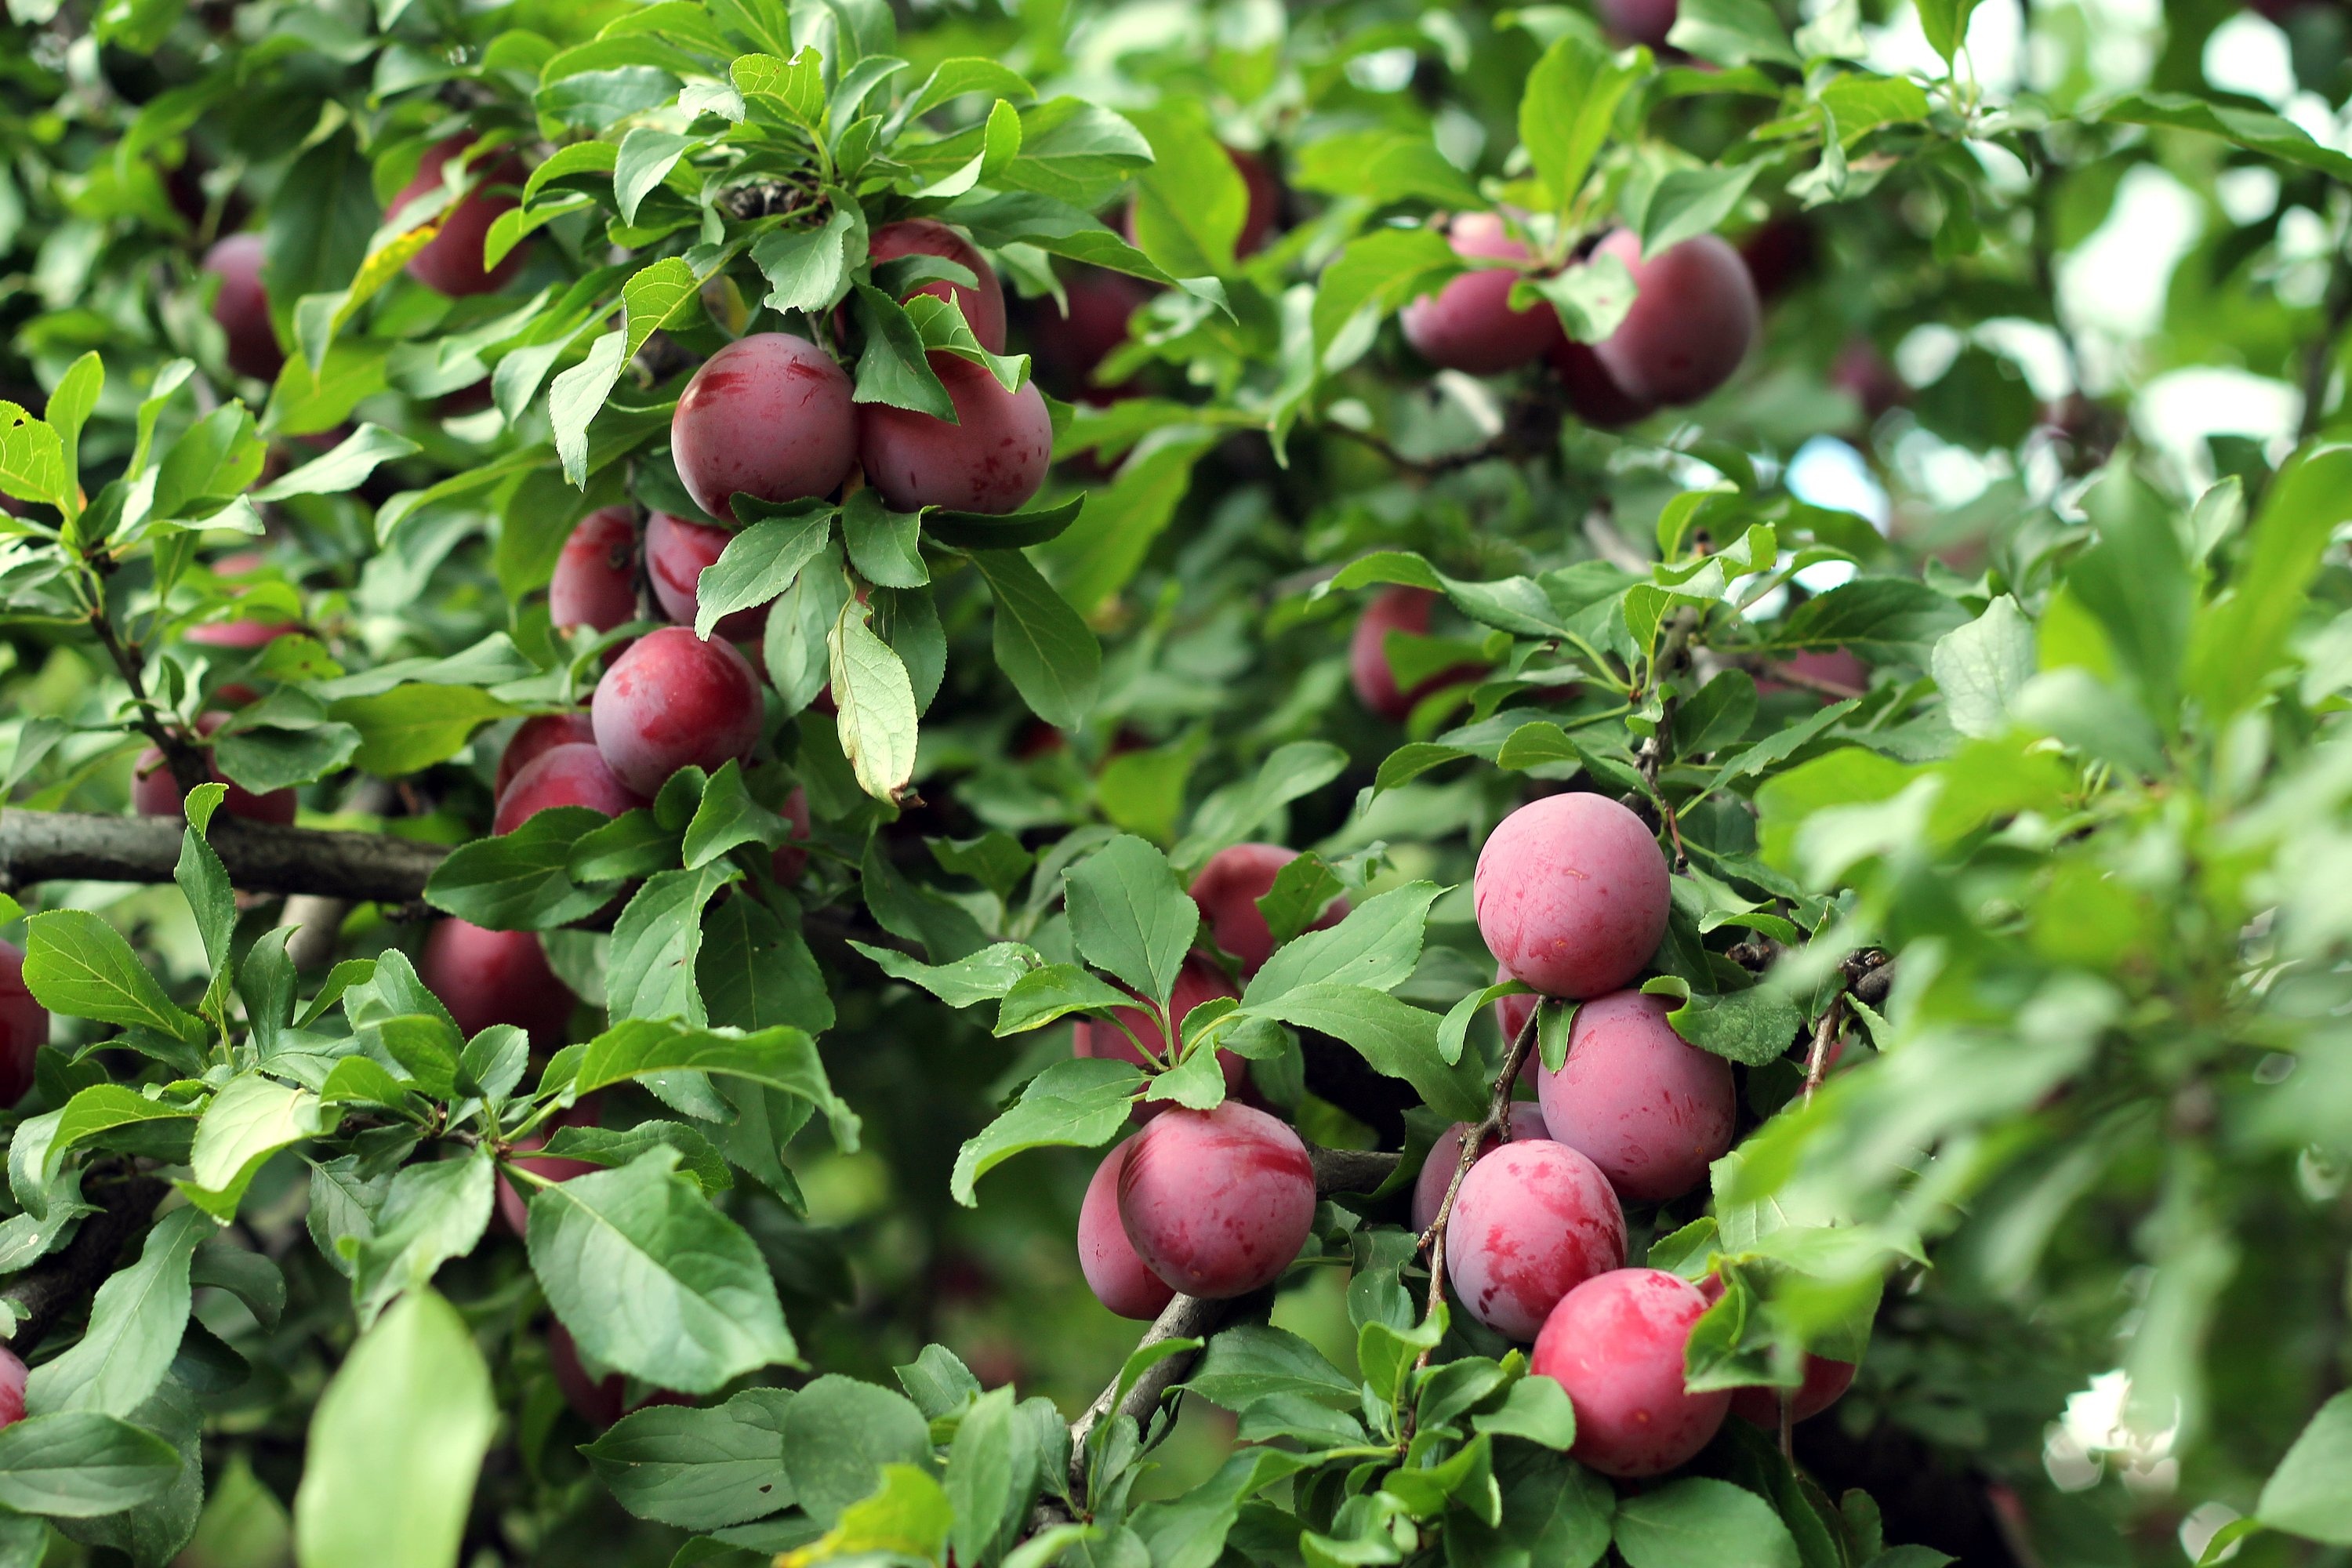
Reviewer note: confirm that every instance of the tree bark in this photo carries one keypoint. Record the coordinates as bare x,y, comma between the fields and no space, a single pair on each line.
57,846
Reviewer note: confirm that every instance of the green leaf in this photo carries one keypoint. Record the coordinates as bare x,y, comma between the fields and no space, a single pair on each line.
755,973
882,542
1567,109
412,727
840,1435
1256,1361
2310,1493
1189,203
983,976
1698,1522
645,157
32,458
1377,274
2251,128
876,699
1981,666
2239,640
698,1156
1238,811
1082,1103
1735,32
727,817
433,1211
1040,644
1191,1531
1130,915
76,964
1383,166
344,469
782,1058
396,1445
81,1464
1397,1039
699,1469
808,268
249,1120
1750,1027
1555,1512
893,370
1686,203
519,881
1537,1410
1000,531
577,394
760,563
71,404
1055,991
136,1321
651,971
1878,617
654,1282
1376,946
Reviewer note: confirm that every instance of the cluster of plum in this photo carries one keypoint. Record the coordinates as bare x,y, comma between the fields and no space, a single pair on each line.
771,415
1571,896
1692,322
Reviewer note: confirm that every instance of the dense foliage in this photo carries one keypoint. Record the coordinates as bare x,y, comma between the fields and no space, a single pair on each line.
696,1170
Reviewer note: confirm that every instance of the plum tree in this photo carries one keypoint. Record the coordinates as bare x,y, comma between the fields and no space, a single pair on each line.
991,460
1437,1170
155,792
1640,21
1469,325
595,581
24,1030
1651,1109
1374,678
789,858
1217,1202
486,977
1693,319
983,304
1615,1343
674,698
1197,981
572,774
451,263
534,738
677,552
1228,889
1571,893
1116,1274
768,415
1532,1222
242,306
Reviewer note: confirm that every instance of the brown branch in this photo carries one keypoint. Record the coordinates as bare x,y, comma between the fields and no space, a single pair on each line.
1531,428
43,1294
56,846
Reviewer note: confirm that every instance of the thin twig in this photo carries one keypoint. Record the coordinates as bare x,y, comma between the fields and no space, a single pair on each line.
186,763
1474,1140
1825,1033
